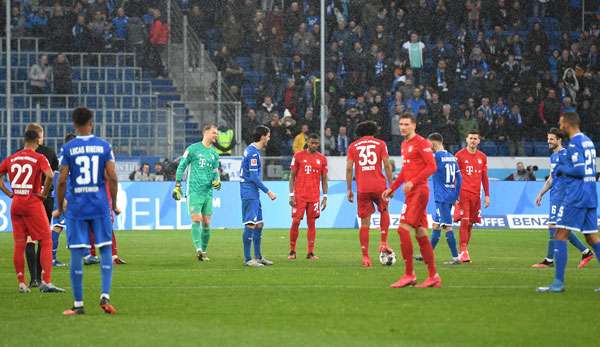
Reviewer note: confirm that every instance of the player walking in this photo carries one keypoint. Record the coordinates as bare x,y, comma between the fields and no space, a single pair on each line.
86,161
308,173
473,167
250,184
418,165
556,185
366,156
202,178
446,185
25,170
579,204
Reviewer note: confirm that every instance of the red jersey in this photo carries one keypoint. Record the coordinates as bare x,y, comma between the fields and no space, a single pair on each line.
418,162
25,170
367,153
308,168
473,167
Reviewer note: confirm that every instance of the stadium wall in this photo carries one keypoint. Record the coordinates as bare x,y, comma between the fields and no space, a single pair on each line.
149,206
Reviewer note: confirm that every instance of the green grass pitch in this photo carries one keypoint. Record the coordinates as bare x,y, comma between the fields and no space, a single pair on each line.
165,297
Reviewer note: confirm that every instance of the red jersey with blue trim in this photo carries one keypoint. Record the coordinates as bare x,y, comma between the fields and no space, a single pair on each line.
308,168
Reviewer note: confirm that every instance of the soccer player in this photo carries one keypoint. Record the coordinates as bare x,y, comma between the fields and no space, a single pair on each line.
308,174
203,176
250,184
418,165
367,156
473,167
25,170
446,185
579,204
86,162
556,185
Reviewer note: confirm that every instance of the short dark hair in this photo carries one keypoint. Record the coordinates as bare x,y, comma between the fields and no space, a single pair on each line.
408,115
436,137
556,132
259,132
572,118
31,136
81,116
314,136
366,128
69,137
473,132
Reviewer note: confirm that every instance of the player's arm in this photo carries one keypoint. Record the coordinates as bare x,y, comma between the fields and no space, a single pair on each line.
291,186
324,186
48,180
254,177
485,180
458,182
61,190
577,170
184,162
3,172
349,166
545,188
216,181
113,183
397,183
387,168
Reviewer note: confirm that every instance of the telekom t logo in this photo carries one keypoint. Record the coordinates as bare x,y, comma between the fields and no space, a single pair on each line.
307,169
470,170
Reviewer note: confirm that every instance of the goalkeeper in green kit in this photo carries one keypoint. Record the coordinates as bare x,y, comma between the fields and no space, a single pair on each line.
202,178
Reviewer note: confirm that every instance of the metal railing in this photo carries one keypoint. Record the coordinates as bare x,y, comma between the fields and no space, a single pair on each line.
142,88
50,101
88,73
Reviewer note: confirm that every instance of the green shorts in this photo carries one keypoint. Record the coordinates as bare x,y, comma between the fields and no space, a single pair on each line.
200,204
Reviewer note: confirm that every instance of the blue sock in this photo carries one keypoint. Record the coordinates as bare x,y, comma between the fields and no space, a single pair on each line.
247,240
451,243
106,268
435,237
550,253
575,241
76,272
256,239
560,259
596,247
55,239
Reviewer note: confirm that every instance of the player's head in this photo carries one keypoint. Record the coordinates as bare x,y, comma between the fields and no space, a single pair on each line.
366,128
261,135
209,133
38,129
569,123
31,139
473,139
82,120
555,137
69,137
408,124
314,142
437,141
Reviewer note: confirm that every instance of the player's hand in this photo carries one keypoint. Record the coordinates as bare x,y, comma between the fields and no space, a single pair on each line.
350,196
387,194
407,187
56,214
486,202
116,210
216,184
538,200
41,196
272,195
323,203
177,193
292,201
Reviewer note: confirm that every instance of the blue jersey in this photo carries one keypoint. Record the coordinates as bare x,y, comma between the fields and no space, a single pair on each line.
580,190
86,157
251,174
557,191
447,178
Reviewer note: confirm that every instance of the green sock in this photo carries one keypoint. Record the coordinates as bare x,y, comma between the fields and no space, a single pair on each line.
196,232
204,237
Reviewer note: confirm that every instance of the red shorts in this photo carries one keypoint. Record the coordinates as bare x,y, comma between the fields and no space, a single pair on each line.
414,211
368,201
468,207
34,223
313,210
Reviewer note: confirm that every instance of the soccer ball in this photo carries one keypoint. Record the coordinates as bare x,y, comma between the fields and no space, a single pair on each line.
387,259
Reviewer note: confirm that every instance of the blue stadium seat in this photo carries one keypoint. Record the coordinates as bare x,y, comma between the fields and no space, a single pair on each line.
489,148
529,148
541,149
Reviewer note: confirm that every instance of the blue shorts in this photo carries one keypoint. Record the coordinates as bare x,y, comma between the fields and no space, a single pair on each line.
78,232
251,211
443,214
554,212
58,224
584,220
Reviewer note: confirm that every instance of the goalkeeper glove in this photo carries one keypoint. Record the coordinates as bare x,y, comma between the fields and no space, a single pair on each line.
177,193
216,184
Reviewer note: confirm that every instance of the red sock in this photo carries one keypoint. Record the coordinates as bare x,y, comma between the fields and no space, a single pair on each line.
363,236
427,253
46,259
114,245
92,243
464,234
311,234
19,259
407,250
384,226
294,234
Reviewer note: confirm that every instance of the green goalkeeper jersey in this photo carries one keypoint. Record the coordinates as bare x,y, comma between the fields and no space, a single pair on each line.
203,166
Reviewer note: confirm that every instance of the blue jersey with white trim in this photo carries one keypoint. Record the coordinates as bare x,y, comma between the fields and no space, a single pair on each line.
86,157
447,178
251,174
559,182
580,191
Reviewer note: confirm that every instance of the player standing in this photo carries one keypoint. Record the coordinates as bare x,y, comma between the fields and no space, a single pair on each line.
250,184
446,185
366,156
418,165
202,178
578,211
556,185
86,161
25,170
308,173
473,167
